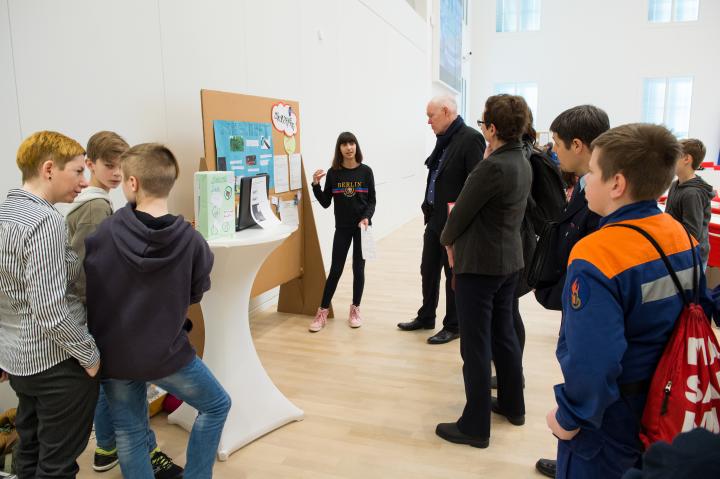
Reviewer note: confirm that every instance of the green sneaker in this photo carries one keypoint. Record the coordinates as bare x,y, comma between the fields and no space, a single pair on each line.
163,467
104,460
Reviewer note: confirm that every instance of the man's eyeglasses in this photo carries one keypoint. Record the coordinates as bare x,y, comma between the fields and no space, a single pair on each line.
480,123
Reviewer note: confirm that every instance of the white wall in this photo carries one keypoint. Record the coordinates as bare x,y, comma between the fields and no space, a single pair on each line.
137,67
599,52
10,136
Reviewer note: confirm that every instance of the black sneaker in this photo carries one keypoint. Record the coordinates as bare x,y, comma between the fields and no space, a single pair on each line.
163,467
104,460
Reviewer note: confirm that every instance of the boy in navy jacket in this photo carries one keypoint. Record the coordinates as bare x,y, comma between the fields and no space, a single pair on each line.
619,303
573,132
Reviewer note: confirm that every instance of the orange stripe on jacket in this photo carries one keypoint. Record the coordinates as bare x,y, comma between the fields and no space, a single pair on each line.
614,250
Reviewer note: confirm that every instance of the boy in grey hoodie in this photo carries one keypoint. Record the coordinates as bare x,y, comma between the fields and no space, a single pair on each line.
93,203
689,197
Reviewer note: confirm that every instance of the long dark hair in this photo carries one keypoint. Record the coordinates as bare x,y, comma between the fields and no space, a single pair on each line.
343,138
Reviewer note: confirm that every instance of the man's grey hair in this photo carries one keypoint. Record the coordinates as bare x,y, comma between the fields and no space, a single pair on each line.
446,101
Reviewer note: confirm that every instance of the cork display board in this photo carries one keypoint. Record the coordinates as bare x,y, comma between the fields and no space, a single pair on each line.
296,265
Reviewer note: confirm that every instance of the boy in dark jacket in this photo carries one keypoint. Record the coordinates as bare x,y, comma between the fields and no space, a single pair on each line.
573,132
689,197
160,266
90,208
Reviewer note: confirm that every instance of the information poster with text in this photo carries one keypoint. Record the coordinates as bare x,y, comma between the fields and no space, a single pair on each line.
245,148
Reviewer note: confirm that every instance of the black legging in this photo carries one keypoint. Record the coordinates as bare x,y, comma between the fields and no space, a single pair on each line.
341,246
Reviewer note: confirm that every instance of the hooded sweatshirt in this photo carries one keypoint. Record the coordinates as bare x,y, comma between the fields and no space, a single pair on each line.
689,203
83,216
140,282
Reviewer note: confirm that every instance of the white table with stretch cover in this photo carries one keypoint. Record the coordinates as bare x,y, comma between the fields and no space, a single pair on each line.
258,406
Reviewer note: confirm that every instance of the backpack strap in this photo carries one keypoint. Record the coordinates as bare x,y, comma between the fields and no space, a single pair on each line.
642,387
671,271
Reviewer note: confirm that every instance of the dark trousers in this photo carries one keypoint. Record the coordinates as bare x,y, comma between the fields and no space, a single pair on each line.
341,246
608,452
485,313
54,420
518,323
434,260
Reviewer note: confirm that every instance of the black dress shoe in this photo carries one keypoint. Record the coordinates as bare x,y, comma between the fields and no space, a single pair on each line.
443,336
546,467
514,420
493,382
414,325
450,432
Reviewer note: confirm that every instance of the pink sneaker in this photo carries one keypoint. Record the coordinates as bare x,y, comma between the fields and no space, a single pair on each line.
320,320
355,321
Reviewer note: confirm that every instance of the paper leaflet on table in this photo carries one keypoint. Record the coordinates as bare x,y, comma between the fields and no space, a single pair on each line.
289,213
260,209
368,244
295,171
281,173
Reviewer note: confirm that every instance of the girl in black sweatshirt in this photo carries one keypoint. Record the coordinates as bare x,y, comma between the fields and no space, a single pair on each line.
350,183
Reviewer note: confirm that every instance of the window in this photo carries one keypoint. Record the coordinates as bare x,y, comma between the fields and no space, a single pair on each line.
667,101
527,90
663,11
517,15
451,43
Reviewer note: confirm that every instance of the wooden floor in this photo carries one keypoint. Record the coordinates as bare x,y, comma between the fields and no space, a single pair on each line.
373,396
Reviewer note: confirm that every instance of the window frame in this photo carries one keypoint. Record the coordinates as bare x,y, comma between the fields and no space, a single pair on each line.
666,94
520,16
515,85
673,13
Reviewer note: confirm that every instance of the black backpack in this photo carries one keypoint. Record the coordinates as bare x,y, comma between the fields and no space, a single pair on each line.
547,193
545,203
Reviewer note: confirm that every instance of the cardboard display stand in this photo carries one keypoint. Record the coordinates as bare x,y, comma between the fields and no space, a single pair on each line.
296,265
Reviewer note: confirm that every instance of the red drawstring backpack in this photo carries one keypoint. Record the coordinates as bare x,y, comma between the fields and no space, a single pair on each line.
685,390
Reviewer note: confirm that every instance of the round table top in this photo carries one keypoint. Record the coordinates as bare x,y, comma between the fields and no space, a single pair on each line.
254,236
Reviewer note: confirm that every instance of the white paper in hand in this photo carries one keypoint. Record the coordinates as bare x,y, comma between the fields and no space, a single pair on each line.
368,244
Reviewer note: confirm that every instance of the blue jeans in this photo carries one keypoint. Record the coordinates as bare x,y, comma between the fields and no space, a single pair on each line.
195,385
104,431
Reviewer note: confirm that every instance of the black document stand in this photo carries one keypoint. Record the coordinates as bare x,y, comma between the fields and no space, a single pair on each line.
244,219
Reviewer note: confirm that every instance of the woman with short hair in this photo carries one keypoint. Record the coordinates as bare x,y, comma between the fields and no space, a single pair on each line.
482,237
